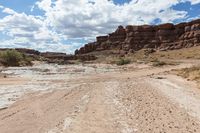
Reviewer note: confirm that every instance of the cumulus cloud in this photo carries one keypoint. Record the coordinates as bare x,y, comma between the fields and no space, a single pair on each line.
42,46
8,11
23,25
81,19
30,32
87,18
1,7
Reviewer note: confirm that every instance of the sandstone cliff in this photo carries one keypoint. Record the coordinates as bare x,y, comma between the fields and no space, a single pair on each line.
159,37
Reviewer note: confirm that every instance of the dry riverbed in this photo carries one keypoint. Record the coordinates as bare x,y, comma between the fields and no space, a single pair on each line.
97,98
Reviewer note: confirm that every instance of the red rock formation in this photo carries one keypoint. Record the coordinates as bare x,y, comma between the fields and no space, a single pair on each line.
159,37
101,39
28,51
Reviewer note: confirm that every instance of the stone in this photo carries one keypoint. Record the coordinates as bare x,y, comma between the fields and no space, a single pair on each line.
160,37
102,38
195,27
28,51
187,28
167,26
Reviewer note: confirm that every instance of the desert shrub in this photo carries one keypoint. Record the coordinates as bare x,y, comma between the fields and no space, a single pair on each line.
11,58
123,61
159,63
14,58
192,72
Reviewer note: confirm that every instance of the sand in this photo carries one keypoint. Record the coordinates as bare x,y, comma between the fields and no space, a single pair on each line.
99,99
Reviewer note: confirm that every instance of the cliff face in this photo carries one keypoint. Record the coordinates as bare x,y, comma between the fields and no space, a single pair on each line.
159,37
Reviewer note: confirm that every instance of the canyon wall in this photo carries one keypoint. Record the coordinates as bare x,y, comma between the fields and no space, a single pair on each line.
159,37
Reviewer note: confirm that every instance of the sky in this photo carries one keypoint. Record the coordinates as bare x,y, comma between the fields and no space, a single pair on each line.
65,25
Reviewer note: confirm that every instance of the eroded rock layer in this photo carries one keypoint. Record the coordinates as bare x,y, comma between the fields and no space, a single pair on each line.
159,37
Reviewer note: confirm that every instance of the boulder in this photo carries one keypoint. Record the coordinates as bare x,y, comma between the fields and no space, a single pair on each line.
195,27
187,28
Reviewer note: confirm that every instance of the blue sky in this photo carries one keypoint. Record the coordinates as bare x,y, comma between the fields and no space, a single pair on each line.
65,25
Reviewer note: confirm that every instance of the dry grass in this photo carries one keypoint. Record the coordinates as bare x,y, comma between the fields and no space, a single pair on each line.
123,61
186,53
110,56
192,73
158,63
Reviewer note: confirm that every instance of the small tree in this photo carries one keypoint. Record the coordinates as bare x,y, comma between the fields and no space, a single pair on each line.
11,58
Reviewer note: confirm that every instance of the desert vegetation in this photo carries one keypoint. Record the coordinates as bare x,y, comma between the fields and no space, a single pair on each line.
123,61
192,73
14,58
160,63
185,53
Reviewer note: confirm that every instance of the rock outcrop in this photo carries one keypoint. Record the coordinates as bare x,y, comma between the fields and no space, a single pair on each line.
56,55
65,57
28,51
158,37
51,56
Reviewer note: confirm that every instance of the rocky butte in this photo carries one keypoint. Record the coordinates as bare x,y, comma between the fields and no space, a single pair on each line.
158,37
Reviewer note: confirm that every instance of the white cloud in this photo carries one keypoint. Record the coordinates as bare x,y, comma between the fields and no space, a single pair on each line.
86,18
1,7
42,46
44,4
29,32
193,2
72,19
8,11
32,8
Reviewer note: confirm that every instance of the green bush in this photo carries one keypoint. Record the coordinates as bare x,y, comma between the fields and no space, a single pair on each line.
123,61
14,58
